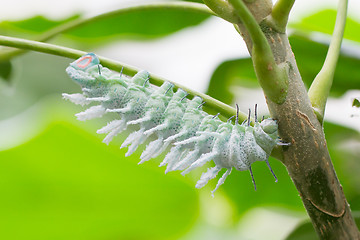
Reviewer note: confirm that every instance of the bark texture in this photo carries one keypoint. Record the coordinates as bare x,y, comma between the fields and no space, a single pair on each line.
307,158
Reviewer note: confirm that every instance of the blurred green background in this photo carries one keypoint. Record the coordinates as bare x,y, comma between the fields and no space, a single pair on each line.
59,181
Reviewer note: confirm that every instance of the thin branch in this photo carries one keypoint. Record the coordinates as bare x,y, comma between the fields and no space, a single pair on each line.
223,9
273,79
320,88
66,27
280,14
211,103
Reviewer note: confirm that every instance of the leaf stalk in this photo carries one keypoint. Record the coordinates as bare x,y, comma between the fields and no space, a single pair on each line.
273,78
320,87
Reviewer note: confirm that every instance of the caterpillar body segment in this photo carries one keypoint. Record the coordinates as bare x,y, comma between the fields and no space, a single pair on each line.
194,136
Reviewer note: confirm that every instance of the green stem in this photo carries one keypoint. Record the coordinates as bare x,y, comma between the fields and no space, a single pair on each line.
223,9
66,27
211,103
280,14
320,88
273,79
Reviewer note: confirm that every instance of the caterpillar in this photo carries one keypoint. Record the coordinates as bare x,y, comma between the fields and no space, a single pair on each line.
195,137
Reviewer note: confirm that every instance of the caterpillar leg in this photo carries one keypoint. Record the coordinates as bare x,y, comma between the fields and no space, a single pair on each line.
189,140
112,128
135,138
207,176
173,161
132,148
173,137
99,99
151,150
172,158
174,153
76,98
120,110
157,128
221,180
90,113
140,120
200,162
188,160
162,149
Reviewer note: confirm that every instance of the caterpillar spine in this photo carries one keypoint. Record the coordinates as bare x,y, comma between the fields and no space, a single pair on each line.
195,136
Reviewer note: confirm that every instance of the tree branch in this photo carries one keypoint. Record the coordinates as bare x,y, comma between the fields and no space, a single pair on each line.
280,14
320,87
223,9
307,158
273,79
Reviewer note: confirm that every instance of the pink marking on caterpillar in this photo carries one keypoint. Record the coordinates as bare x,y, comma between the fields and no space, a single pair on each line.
80,62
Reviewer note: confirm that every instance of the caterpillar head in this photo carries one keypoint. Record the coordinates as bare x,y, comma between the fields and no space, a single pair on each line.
85,62
269,126
86,71
266,134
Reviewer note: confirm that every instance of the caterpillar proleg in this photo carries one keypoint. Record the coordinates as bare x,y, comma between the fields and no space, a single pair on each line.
195,137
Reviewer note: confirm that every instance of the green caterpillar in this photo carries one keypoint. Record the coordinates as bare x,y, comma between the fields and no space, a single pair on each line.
195,136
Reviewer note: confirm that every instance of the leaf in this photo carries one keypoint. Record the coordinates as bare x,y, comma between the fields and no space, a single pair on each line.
356,102
310,56
34,25
303,231
239,72
324,22
66,184
343,144
5,70
143,23
240,190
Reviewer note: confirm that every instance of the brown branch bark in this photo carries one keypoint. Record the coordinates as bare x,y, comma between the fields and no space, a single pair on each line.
307,159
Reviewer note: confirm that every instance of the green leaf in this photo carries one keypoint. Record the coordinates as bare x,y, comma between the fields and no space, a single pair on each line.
5,70
144,24
66,184
136,23
33,25
283,194
304,231
310,56
324,22
343,144
239,72
356,102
